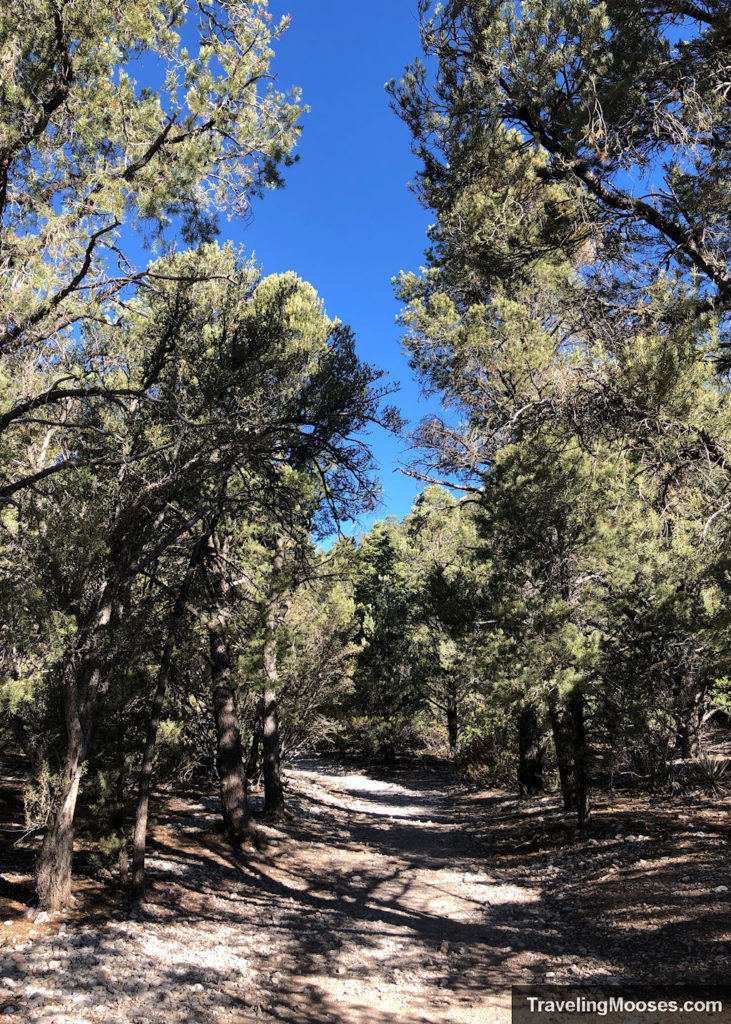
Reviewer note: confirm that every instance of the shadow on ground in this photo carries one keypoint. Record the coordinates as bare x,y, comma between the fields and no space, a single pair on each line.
399,897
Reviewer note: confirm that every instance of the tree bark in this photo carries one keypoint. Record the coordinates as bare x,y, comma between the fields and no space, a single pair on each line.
271,745
272,770
85,681
576,711
237,821
569,738
53,864
229,752
452,718
148,757
252,761
689,708
531,751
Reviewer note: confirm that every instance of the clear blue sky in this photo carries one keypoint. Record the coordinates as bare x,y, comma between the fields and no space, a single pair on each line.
346,220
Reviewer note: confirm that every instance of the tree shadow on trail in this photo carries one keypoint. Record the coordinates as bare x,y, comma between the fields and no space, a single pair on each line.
354,914
401,881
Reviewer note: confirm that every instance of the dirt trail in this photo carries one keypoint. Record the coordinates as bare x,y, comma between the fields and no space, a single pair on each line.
389,898
399,906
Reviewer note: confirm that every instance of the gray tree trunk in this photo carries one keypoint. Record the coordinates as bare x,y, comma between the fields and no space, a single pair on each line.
569,738
237,821
531,751
252,760
148,757
452,716
271,743
54,861
85,681
53,864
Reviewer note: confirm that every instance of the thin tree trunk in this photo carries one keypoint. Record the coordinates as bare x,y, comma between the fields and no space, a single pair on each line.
271,745
229,752
53,864
148,757
272,770
83,689
252,761
576,711
530,752
567,724
237,821
452,719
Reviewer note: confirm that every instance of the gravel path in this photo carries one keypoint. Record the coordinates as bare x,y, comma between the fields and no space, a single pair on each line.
365,908
388,898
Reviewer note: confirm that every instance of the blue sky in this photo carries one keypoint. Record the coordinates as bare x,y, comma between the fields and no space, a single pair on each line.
346,220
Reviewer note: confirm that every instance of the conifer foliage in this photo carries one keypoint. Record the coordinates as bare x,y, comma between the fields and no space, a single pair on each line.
182,437
153,411
574,313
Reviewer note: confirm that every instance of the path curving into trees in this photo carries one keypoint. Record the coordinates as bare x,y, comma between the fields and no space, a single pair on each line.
388,896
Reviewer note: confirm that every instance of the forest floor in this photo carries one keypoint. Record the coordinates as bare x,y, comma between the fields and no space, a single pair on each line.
390,897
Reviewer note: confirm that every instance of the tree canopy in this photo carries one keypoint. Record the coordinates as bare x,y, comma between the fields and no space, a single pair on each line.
183,437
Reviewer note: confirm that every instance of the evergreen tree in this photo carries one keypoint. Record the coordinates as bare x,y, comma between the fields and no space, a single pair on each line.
571,323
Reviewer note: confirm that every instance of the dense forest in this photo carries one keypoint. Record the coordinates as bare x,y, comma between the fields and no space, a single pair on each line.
184,439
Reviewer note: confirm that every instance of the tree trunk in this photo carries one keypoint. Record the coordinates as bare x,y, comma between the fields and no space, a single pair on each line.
271,745
145,784
689,705
148,757
53,864
576,711
569,738
530,752
452,720
229,752
237,821
252,761
273,792
84,686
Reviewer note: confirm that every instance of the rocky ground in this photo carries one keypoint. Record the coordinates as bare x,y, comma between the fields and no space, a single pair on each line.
389,898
